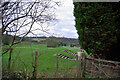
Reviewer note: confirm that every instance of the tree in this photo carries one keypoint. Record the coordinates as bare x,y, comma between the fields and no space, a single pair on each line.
6,39
0,39
18,18
52,42
98,26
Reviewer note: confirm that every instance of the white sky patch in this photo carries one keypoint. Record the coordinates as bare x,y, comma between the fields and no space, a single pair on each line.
66,23
64,27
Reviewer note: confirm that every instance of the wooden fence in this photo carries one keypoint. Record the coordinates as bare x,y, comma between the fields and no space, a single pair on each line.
97,67
34,64
91,66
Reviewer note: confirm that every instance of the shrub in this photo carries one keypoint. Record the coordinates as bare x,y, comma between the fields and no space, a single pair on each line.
6,39
62,44
52,42
72,45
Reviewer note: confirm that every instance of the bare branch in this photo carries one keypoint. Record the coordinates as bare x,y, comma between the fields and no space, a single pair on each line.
17,16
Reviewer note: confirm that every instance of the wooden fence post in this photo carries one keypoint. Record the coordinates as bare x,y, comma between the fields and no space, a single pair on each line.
80,72
92,68
83,68
78,64
57,64
9,62
77,67
36,64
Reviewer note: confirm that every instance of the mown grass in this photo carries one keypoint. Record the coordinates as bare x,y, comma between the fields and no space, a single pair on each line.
38,39
23,57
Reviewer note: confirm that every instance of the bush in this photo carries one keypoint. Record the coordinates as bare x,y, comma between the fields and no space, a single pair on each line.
62,44
52,42
6,39
15,75
72,45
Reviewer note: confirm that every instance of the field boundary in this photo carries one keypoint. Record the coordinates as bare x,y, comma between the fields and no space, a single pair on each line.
88,65
103,68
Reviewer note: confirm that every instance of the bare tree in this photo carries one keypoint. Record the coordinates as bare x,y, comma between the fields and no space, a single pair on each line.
18,18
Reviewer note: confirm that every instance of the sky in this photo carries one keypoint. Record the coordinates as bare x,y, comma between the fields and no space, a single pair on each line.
65,26
67,19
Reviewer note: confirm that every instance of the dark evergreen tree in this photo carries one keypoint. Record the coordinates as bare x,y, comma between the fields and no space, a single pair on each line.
98,26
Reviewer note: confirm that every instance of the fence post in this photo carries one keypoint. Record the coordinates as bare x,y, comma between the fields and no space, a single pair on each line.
57,64
78,60
83,65
9,62
77,67
92,68
35,66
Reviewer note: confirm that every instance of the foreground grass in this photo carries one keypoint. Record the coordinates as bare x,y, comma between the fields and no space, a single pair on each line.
23,57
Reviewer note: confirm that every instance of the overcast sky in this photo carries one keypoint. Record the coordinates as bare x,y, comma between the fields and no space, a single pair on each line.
65,26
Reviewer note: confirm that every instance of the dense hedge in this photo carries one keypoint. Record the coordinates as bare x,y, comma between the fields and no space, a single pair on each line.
98,26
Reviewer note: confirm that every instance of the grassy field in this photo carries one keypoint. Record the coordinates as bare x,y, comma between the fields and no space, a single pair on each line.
23,57
39,39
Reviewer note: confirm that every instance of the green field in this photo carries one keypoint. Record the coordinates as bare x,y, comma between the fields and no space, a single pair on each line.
22,58
39,39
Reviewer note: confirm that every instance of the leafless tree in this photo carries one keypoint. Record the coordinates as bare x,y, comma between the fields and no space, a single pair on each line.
18,18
